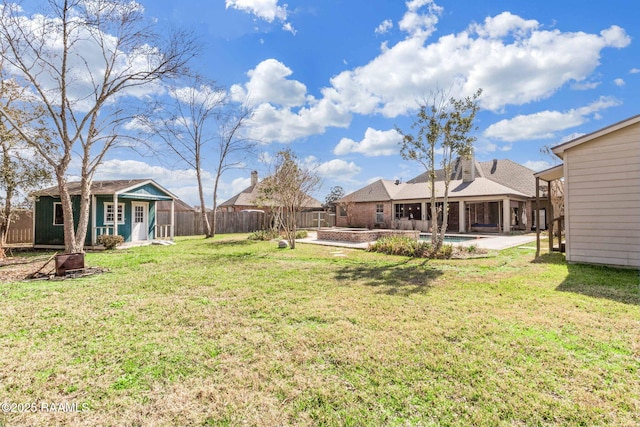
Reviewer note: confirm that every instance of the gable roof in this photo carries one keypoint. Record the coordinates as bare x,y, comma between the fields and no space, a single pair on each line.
103,188
250,195
559,150
493,178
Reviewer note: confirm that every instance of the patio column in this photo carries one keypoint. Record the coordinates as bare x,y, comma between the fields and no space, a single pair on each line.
506,215
551,218
115,214
537,217
462,216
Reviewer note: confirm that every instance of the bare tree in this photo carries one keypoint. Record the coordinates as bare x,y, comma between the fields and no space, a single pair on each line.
233,147
87,62
288,189
21,169
443,125
187,125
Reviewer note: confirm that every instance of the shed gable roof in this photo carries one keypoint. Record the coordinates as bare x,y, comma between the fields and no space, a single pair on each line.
106,188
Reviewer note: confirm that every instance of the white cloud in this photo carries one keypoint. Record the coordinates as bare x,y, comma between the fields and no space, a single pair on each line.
619,82
375,143
268,83
334,169
269,10
384,27
545,124
537,165
515,61
419,24
634,70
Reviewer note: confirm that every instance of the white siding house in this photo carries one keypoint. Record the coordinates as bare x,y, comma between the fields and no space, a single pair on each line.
602,195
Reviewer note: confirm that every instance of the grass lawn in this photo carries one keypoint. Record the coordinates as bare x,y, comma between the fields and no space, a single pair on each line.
236,332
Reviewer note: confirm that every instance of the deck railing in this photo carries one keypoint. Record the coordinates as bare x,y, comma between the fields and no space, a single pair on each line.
163,231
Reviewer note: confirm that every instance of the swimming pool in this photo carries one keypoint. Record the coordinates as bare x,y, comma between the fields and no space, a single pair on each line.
451,238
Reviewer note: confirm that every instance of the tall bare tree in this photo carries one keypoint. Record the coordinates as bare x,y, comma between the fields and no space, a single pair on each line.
287,189
201,126
188,125
232,147
21,169
443,126
87,62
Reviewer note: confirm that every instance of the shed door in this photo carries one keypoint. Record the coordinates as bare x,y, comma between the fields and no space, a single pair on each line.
140,229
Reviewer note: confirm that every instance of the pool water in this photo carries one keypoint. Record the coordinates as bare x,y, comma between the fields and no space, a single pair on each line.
451,239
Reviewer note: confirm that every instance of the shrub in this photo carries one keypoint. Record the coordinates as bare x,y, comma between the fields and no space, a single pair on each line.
401,245
264,235
110,241
406,246
301,234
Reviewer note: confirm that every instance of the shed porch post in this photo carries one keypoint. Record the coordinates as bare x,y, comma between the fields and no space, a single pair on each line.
115,214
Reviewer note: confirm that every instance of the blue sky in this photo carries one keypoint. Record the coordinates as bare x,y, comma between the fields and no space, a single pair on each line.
331,78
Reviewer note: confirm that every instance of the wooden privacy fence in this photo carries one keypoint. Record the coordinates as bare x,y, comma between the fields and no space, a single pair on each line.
21,228
189,223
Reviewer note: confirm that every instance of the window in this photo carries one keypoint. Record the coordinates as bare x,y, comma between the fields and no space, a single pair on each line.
342,211
379,213
138,215
109,213
58,214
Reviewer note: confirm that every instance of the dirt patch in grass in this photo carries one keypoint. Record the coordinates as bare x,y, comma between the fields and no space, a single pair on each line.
17,269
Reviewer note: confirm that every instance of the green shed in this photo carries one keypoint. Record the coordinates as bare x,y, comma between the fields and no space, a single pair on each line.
124,207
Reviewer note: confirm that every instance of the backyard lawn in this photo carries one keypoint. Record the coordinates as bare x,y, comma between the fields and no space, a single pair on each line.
237,332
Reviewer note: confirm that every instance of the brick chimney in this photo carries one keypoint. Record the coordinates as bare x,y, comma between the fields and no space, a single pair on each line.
254,178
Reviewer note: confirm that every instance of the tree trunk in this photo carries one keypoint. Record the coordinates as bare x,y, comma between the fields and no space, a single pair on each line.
203,210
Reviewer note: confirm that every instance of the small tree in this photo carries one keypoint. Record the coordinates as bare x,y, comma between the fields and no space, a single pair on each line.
443,125
288,189
335,193
21,169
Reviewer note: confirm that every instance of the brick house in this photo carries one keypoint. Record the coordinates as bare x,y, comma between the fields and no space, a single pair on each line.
493,196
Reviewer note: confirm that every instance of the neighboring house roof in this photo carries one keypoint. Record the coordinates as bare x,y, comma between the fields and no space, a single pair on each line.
179,206
559,150
492,178
250,196
104,188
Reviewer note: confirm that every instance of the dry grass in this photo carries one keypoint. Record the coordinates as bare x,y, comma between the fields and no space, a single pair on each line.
234,332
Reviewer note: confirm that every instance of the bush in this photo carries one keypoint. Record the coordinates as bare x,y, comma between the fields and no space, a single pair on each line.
264,235
301,234
110,241
406,246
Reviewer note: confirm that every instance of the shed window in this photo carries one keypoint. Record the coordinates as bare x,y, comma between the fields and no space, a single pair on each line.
379,213
342,211
58,214
109,213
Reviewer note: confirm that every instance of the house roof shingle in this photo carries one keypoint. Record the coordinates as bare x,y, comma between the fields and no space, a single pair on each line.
493,178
